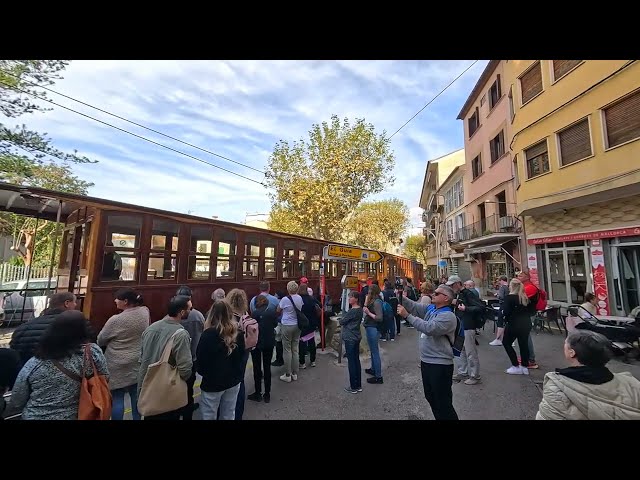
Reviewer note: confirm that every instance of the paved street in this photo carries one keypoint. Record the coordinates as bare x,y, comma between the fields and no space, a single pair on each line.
319,393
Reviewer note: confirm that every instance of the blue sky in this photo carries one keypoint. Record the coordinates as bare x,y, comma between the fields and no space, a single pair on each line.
240,109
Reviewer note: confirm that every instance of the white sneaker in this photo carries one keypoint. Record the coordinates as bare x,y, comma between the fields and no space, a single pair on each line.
514,344
514,370
525,370
294,376
313,364
496,343
285,378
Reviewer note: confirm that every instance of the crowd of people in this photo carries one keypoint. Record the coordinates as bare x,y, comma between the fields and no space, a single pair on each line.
48,356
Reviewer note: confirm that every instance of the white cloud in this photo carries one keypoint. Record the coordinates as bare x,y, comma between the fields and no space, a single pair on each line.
240,109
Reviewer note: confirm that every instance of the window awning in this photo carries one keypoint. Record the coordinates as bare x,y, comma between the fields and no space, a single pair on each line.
486,249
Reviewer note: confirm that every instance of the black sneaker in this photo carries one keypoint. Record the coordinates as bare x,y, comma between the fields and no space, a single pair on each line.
266,397
350,390
369,371
375,380
256,397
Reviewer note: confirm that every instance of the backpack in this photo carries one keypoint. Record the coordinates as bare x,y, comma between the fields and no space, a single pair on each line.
303,321
387,313
541,303
485,314
249,326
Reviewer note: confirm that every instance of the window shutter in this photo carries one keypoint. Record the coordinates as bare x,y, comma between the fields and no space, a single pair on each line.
575,143
536,150
623,120
562,67
531,83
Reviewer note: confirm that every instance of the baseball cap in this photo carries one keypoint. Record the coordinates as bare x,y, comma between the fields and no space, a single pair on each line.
304,280
453,279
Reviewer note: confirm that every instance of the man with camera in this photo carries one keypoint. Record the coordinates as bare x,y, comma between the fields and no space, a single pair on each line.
468,310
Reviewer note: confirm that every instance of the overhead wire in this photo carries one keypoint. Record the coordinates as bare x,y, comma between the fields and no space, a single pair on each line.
132,134
434,98
131,121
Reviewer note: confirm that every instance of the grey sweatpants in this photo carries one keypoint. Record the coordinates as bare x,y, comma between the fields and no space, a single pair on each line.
469,361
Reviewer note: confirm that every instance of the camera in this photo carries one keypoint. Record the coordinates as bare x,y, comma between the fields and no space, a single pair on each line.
399,283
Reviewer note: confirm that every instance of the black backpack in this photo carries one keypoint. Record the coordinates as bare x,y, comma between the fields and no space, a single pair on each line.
486,313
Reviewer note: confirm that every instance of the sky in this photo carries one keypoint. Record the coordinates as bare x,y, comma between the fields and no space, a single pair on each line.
240,109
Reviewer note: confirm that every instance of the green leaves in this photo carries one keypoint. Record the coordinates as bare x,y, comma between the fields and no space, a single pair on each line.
319,182
415,247
377,225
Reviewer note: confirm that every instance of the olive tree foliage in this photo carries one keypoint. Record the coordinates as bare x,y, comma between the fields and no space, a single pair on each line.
28,157
318,183
377,225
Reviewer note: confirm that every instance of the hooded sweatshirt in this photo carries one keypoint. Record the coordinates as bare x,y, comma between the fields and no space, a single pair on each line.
436,331
589,393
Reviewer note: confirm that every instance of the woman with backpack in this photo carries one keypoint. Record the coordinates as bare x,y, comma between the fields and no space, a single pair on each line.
372,318
307,343
517,318
221,362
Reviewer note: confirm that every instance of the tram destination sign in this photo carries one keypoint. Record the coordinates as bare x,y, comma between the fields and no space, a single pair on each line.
340,252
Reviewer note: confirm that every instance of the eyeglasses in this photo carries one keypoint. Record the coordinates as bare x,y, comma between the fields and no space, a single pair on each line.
437,293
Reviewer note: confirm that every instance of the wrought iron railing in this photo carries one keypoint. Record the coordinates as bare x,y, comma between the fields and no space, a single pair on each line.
487,226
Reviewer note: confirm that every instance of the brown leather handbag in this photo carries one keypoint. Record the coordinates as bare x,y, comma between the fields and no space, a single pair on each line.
95,397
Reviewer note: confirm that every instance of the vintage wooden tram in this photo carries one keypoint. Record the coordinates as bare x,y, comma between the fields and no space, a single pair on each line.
107,245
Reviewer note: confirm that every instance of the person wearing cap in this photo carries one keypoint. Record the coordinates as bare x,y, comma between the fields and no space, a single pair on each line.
437,334
305,281
468,311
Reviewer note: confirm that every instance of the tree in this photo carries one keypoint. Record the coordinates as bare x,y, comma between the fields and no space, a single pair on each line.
319,183
28,157
376,224
415,247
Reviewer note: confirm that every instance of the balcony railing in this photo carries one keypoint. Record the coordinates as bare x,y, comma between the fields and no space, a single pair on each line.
487,226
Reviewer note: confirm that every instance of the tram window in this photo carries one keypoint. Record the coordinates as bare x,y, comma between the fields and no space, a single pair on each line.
269,258
164,235
123,231
200,249
227,244
251,256
162,266
302,262
119,266
67,249
315,265
287,259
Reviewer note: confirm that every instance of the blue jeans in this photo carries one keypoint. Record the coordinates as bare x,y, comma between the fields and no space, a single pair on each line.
226,400
372,340
390,327
353,360
117,408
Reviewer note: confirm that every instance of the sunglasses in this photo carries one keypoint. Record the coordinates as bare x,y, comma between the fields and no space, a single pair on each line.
437,293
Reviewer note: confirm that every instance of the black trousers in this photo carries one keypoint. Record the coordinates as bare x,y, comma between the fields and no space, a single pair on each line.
436,381
517,328
261,359
304,347
398,321
279,352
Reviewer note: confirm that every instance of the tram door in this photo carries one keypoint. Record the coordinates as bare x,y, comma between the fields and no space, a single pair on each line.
73,268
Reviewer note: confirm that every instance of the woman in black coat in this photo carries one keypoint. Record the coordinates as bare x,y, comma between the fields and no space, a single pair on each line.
267,319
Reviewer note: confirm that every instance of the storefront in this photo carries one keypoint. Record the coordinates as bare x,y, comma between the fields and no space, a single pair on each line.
489,262
605,262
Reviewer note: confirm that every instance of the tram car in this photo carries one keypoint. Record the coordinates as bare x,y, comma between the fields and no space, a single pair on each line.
107,245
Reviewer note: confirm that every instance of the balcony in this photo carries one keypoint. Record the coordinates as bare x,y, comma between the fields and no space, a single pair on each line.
493,227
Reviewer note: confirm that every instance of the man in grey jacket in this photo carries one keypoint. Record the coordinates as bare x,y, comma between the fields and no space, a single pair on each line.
437,334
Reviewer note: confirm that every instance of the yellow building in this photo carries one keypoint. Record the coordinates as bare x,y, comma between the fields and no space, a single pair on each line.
432,201
575,128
